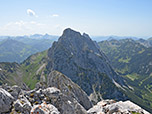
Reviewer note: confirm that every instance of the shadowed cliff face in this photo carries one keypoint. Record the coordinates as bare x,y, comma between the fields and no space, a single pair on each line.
77,56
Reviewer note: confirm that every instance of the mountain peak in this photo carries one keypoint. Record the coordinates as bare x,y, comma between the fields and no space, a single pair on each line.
74,39
86,62
69,32
86,35
70,35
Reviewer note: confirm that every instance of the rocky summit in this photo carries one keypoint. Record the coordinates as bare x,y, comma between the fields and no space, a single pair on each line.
59,96
79,58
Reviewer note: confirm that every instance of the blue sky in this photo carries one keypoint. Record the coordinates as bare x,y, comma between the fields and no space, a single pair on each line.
95,17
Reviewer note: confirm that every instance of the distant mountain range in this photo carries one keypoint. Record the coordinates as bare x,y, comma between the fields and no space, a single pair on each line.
17,49
102,38
34,36
146,43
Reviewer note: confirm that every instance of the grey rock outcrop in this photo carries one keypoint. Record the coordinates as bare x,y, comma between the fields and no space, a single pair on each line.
41,85
15,91
65,104
44,109
45,100
6,100
69,88
22,105
78,57
111,107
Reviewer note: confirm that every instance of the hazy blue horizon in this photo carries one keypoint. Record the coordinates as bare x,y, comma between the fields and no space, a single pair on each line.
96,18
95,38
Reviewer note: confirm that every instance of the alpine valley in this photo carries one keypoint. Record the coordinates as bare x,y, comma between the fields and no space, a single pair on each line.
74,76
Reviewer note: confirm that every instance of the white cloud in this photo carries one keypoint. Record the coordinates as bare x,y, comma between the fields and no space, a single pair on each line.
55,15
31,12
22,27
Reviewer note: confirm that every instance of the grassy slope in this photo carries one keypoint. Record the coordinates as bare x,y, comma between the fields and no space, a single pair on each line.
8,72
30,68
27,72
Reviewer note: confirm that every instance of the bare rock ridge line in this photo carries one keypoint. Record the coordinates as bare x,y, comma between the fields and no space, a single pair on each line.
60,81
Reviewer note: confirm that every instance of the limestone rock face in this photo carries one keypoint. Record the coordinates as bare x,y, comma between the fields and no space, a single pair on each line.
46,101
22,105
111,107
6,100
78,57
15,91
69,88
44,109
65,104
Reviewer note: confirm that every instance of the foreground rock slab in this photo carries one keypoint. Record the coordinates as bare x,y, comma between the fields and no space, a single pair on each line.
6,100
69,88
44,109
112,107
